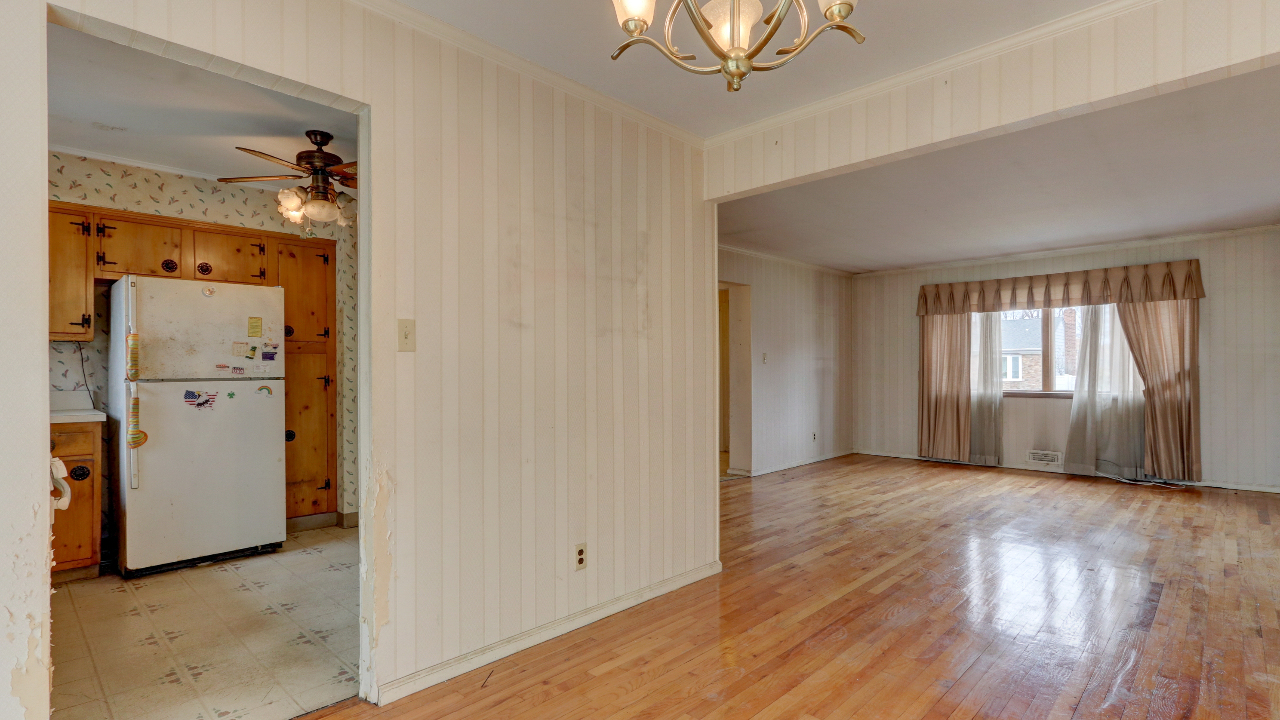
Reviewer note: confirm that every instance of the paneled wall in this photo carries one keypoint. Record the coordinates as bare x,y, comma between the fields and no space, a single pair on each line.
1239,350
802,397
1111,53
557,257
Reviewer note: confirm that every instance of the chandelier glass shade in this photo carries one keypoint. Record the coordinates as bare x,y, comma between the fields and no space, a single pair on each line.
727,27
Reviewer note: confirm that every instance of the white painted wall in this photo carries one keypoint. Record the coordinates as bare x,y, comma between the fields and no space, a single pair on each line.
555,252
1112,53
1239,352
801,317
24,423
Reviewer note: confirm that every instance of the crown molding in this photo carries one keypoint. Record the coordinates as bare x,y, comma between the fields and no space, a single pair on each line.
1084,18
419,20
1082,250
789,261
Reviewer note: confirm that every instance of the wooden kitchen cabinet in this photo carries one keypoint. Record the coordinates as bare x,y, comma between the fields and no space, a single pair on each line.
137,246
71,250
77,531
306,451
304,273
227,257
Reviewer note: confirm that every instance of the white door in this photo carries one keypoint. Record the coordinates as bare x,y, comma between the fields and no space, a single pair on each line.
210,476
189,329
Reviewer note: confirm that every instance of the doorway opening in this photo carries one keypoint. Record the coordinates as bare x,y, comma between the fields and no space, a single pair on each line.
735,380
208,564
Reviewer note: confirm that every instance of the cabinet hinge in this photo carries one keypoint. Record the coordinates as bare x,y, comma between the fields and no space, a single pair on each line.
327,380
84,227
102,230
324,334
327,484
262,247
102,259
325,256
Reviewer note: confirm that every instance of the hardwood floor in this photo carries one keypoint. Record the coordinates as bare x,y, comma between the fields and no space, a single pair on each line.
869,587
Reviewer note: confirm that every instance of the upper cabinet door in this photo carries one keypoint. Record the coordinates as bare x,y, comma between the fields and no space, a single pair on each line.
304,275
70,276
230,258
126,247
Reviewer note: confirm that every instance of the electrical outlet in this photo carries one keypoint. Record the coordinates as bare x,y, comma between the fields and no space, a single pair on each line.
580,557
407,336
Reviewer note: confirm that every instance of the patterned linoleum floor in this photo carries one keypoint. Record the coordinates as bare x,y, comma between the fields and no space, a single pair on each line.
262,638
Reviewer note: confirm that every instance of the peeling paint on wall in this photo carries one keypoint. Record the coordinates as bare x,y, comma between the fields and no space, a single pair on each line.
375,581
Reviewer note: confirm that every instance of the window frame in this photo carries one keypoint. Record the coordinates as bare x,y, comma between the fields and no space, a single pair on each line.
1047,350
1006,363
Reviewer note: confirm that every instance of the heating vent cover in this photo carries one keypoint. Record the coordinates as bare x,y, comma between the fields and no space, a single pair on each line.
1052,457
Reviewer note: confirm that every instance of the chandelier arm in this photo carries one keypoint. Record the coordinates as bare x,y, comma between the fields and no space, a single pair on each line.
842,27
701,24
644,40
775,22
671,20
804,29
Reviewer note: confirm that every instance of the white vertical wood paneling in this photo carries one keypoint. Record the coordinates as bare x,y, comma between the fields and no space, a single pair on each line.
1239,353
1108,54
558,257
800,316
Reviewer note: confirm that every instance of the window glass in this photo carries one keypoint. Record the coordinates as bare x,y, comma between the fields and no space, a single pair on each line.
1066,347
1021,348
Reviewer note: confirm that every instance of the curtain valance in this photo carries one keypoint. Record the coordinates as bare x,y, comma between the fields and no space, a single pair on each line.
1178,280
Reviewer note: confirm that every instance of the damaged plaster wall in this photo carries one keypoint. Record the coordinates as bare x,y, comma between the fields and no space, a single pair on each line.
25,666
554,250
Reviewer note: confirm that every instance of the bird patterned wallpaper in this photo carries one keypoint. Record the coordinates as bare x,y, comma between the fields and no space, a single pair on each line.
88,181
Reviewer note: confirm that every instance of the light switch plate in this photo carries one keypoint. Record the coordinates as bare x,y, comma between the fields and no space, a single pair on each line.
408,337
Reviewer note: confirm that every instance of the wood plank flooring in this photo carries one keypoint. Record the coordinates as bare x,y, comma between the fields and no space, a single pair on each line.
870,587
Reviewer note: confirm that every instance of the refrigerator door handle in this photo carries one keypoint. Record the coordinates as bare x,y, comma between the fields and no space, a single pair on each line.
135,437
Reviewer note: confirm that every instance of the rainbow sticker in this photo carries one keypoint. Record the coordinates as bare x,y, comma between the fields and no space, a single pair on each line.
264,389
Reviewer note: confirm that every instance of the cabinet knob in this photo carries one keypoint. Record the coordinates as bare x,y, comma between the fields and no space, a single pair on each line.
80,472
169,265
204,268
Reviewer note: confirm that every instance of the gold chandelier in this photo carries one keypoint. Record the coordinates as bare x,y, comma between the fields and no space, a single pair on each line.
725,26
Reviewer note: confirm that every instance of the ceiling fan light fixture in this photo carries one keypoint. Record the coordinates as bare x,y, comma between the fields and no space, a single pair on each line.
321,209
635,16
290,198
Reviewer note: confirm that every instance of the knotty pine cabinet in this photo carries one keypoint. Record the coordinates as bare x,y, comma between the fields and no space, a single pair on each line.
88,245
77,531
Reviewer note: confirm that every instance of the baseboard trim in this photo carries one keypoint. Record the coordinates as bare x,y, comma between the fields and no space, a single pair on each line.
780,468
311,522
348,520
425,678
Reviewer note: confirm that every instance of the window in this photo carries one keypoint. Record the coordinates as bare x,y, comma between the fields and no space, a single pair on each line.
1011,367
1039,349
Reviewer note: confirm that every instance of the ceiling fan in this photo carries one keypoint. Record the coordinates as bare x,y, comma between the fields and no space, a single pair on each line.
318,201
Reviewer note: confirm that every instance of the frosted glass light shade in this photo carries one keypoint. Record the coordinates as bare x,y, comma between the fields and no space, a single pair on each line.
321,210
634,9
718,14
290,199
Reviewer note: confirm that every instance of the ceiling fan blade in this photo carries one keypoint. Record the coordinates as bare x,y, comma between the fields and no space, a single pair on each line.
346,182
344,166
261,178
274,159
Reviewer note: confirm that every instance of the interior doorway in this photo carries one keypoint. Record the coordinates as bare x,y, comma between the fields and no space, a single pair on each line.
252,611
735,380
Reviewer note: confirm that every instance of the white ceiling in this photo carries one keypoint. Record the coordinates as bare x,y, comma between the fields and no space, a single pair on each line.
1197,160
576,37
112,101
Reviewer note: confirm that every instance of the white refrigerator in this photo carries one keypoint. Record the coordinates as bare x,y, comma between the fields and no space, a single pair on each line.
196,393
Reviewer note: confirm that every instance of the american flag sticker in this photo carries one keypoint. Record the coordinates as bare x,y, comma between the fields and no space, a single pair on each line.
199,399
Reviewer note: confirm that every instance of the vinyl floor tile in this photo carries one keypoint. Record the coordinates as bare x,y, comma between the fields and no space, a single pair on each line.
261,638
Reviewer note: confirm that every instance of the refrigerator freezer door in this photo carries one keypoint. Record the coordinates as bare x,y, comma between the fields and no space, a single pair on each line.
189,329
210,476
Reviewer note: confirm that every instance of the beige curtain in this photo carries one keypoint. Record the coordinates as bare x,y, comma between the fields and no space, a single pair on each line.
1165,339
944,387
986,391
